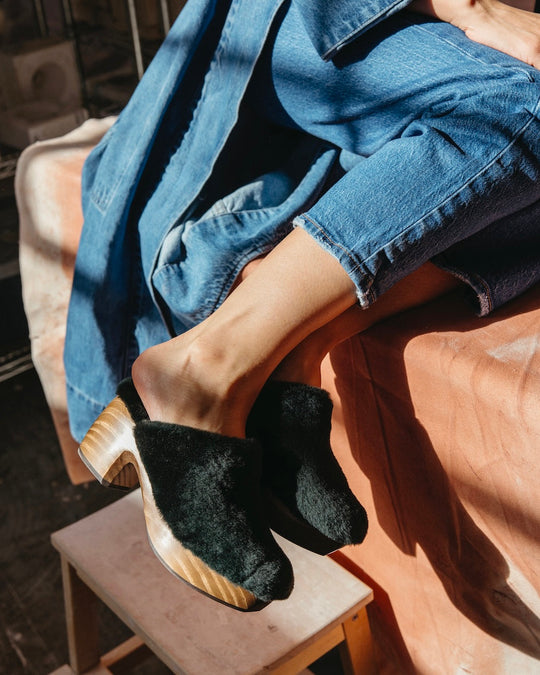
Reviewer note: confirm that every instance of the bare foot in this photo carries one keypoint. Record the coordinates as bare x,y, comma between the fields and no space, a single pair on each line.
492,23
510,30
182,384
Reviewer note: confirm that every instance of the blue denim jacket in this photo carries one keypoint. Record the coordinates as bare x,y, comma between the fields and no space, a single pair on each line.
144,272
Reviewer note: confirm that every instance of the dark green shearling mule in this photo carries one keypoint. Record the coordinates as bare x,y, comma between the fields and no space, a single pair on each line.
308,499
207,490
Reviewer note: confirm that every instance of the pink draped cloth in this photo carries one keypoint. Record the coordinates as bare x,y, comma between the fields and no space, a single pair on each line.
48,191
436,424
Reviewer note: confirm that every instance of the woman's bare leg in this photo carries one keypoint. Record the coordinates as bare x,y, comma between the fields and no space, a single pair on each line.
303,364
210,376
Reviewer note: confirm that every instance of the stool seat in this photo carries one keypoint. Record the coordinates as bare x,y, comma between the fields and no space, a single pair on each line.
107,555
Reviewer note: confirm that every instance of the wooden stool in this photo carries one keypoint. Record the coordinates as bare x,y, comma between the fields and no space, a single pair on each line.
107,556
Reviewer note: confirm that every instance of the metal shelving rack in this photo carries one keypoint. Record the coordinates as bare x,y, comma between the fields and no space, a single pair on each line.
15,358
8,162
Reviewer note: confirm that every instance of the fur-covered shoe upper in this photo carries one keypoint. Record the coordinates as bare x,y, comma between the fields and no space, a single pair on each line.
207,488
293,422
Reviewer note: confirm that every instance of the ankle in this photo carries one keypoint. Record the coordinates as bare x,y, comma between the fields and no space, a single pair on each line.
184,382
301,365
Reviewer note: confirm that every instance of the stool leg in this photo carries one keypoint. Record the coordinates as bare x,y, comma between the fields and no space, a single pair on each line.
81,619
357,650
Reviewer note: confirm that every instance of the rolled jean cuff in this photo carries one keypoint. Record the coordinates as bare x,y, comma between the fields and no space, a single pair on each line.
479,293
360,276
479,296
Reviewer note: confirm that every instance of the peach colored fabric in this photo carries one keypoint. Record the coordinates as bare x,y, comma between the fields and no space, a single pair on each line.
48,198
437,425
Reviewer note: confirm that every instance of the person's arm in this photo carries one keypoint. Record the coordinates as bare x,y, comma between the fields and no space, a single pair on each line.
491,22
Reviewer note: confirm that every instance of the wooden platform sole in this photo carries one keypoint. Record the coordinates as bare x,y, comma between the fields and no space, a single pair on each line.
110,452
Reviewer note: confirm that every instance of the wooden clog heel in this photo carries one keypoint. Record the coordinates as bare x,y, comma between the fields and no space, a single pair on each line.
201,497
108,447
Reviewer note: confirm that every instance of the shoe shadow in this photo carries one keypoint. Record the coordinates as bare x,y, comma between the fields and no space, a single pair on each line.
415,500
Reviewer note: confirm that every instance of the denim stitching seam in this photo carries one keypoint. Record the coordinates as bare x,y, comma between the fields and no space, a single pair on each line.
335,244
83,395
471,56
225,36
519,133
361,264
108,197
359,29
468,278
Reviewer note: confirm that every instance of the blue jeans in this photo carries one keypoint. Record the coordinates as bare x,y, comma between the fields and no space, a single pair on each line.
440,137
413,144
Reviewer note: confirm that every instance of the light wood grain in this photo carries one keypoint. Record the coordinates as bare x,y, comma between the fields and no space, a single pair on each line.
121,659
306,654
110,451
81,620
357,650
189,632
126,655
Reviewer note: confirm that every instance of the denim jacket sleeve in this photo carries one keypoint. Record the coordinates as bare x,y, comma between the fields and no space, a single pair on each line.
332,24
